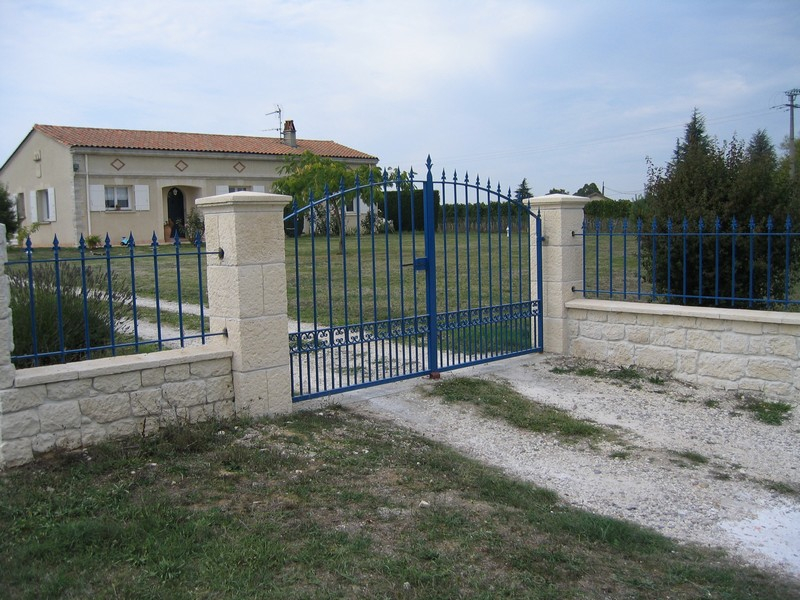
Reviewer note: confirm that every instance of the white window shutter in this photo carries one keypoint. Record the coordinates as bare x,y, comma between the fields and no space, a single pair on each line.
259,188
97,198
141,197
51,203
34,213
222,189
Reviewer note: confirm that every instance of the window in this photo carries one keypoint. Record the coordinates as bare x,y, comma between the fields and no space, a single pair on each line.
20,206
238,188
117,197
43,206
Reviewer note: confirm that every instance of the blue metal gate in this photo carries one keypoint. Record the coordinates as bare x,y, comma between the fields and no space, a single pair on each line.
391,281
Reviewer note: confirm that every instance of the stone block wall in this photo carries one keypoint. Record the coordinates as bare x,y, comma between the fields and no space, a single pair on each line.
63,407
728,349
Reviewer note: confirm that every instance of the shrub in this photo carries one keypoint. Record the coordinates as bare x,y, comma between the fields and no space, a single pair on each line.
194,225
374,222
85,321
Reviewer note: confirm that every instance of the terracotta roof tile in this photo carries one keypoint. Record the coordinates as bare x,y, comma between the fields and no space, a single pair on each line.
91,137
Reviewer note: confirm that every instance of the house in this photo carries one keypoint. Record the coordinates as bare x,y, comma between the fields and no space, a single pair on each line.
77,181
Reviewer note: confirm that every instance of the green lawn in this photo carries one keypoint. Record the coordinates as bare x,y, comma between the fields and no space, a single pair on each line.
325,504
384,282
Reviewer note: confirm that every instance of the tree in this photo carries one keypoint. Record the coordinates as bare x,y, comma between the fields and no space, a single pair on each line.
8,213
706,181
558,191
523,191
588,189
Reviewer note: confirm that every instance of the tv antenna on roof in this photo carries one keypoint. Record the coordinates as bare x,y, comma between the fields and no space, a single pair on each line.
277,111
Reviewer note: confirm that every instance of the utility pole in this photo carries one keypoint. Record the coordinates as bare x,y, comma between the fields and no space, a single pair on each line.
792,94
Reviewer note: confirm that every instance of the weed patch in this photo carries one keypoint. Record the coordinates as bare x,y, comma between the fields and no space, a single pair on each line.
771,413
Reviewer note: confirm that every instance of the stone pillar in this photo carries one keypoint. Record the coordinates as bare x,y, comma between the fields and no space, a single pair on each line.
12,451
562,263
247,296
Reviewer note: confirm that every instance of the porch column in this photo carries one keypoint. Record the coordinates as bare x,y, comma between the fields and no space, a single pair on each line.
247,296
562,263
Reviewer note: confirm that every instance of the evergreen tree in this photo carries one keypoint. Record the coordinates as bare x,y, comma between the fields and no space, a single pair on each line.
588,189
8,213
523,191
708,181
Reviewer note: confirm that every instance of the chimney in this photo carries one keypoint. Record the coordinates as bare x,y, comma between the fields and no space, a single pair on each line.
289,134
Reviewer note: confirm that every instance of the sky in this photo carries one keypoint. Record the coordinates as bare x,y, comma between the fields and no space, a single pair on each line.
560,93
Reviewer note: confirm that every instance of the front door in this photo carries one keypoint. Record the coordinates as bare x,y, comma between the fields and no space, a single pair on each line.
176,212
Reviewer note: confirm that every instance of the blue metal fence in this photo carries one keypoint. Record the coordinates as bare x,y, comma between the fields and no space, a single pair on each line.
75,304
755,264
389,300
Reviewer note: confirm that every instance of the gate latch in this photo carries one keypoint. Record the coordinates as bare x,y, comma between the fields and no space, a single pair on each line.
419,264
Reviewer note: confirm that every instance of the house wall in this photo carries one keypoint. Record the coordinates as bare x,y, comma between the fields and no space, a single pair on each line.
23,174
72,171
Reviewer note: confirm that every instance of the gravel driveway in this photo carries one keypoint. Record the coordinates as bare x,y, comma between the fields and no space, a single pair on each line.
690,463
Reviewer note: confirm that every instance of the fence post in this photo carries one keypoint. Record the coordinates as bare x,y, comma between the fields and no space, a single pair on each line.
562,263
247,295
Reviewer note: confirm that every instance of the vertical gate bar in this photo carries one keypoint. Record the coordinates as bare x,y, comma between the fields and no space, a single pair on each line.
539,286
520,250
733,260
299,348
430,282
131,247
111,326
717,224
448,329
685,232
625,258
315,321
469,341
198,241
85,299
456,220
700,226
512,333
488,331
597,224
610,259
669,260
400,255
769,260
327,250
654,261
414,276
360,287
639,258
345,342
788,253
388,318
59,305
32,300
154,246
751,270
480,265
177,244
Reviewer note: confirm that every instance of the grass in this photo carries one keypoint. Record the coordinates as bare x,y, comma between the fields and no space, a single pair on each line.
467,275
694,458
500,400
324,504
771,413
